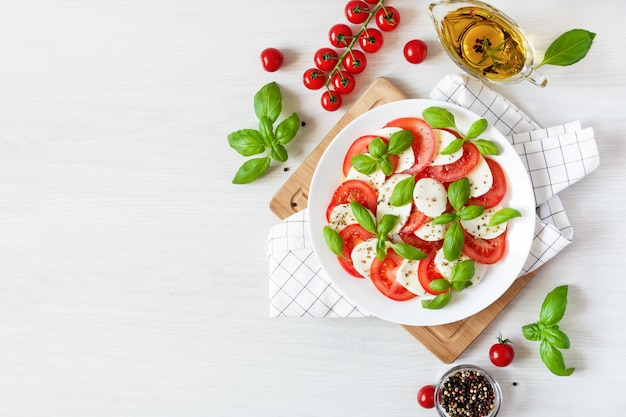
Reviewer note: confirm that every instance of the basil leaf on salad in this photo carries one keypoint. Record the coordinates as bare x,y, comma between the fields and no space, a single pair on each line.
459,193
452,147
438,302
477,128
471,212
453,242
400,141
486,147
439,118
377,148
402,193
333,240
363,216
504,215
365,164
407,251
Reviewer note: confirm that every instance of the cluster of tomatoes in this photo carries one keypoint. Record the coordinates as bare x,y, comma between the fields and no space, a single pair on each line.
336,66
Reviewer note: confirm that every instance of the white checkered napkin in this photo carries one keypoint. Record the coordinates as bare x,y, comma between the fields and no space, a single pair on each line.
555,157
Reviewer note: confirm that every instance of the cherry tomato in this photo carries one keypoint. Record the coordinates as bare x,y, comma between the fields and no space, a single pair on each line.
331,100
271,59
501,353
352,235
325,59
371,1
426,396
355,61
314,79
383,274
343,82
356,11
387,18
415,51
371,40
340,35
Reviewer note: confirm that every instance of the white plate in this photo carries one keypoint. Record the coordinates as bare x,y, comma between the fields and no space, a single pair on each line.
328,175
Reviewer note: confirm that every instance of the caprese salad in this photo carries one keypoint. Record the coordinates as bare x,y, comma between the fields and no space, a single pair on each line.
420,209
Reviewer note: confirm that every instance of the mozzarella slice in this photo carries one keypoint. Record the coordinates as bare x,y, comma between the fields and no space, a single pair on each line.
430,197
442,139
384,207
480,178
478,227
445,267
341,216
431,232
406,276
375,179
406,159
363,255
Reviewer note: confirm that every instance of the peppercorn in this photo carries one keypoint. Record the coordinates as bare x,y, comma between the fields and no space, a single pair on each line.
467,393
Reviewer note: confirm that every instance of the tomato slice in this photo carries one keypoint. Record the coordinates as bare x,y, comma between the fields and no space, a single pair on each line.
383,275
424,143
360,146
458,169
415,221
353,190
425,246
428,272
352,235
484,251
496,193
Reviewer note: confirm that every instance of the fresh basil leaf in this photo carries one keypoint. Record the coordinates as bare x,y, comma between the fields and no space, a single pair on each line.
402,193
266,128
333,240
268,102
568,48
445,218
386,224
278,152
453,242
363,216
452,147
287,129
463,271
381,249
553,307
365,164
504,215
553,359
438,302
386,166
486,147
377,148
459,193
407,251
531,332
438,117
461,285
477,128
471,212
556,337
251,170
246,142
439,284
400,141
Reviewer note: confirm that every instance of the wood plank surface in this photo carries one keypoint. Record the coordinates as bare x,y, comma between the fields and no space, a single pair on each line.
448,341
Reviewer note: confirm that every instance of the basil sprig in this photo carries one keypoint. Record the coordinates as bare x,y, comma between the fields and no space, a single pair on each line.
568,48
248,142
440,118
380,151
462,274
546,331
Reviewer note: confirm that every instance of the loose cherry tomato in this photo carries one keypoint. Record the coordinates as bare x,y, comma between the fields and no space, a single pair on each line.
383,274
314,79
343,82
355,61
415,51
331,100
371,1
371,40
426,396
387,18
271,59
356,11
340,35
501,354
325,59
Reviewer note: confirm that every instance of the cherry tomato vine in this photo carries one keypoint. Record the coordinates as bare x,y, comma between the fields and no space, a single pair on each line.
335,72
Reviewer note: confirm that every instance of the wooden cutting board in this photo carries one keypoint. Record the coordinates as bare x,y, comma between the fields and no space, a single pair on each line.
447,341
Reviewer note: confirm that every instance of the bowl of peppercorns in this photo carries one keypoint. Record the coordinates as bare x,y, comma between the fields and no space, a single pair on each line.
467,391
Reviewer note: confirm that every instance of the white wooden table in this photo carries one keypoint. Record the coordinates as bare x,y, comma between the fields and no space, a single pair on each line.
133,274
